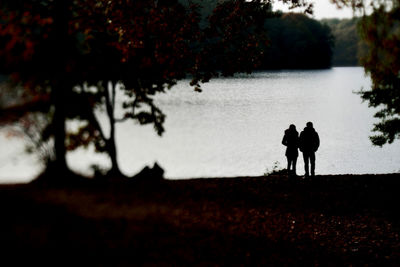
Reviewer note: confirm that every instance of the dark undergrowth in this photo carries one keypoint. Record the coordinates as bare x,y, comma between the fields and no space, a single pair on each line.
329,221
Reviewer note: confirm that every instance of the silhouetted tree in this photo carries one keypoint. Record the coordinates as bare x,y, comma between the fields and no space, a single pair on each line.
39,52
78,52
70,56
143,52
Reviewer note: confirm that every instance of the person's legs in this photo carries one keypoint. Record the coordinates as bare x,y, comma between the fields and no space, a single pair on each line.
312,161
305,157
294,165
288,164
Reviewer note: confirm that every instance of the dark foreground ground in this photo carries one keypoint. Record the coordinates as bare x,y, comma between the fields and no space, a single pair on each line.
332,221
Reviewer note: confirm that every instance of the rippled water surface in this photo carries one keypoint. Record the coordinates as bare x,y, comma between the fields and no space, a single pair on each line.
235,127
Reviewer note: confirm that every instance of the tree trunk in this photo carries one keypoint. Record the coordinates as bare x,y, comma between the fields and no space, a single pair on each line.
111,145
112,152
60,87
60,164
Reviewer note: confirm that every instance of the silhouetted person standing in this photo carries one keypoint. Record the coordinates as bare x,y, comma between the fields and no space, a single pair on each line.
291,141
309,143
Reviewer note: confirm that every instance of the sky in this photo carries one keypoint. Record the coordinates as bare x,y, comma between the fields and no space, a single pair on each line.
322,9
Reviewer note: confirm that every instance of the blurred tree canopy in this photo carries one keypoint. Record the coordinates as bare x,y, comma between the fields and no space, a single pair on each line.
70,57
380,30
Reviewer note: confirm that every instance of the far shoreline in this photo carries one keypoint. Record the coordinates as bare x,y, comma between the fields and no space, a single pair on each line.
281,174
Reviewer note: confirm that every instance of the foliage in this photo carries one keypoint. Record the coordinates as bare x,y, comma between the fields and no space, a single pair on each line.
160,44
276,169
33,128
52,47
40,51
282,34
72,55
233,41
148,50
348,44
297,42
381,32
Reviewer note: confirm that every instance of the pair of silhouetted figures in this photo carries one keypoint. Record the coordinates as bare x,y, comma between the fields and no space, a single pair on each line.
307,142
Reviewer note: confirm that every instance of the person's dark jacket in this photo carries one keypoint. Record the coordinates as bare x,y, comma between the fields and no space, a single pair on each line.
291,141
309,140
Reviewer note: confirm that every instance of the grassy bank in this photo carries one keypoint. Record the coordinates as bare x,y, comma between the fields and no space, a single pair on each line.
331,221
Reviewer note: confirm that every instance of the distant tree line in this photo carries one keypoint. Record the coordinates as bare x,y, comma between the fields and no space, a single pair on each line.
349,46
297,42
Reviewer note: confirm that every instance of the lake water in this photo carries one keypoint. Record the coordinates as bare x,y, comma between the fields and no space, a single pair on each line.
235,127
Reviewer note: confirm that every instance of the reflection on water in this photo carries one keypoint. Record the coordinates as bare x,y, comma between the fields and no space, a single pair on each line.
235,127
